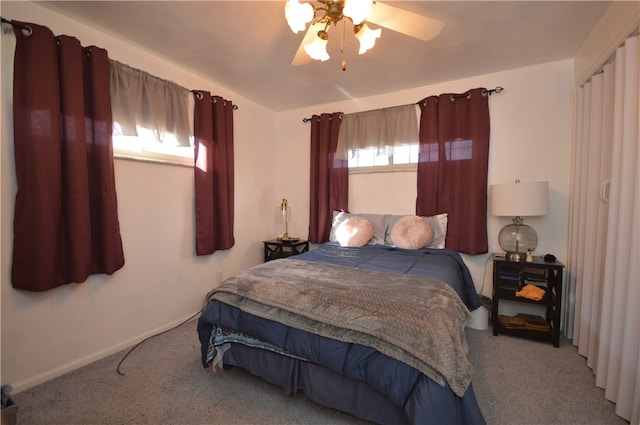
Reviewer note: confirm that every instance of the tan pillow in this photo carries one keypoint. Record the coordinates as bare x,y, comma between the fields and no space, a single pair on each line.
411,232
438,227
355,232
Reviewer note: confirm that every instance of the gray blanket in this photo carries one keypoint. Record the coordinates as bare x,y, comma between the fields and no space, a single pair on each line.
416,320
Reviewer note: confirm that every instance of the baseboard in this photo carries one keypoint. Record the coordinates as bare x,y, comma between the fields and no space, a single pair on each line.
78,363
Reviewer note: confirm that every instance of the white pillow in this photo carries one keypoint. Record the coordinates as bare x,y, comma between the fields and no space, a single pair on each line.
411,232
439,226
355,231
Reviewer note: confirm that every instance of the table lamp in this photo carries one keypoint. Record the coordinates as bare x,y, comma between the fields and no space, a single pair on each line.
519,200
284,208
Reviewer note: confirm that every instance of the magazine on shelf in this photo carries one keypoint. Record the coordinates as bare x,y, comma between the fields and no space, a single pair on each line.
534,322
511,322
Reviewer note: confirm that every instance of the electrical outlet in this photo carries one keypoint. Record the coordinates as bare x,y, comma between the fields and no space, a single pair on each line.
220,276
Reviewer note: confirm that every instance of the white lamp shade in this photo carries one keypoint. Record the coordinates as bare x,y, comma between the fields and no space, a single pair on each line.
317,49
357,10
520,199
298,15
367,38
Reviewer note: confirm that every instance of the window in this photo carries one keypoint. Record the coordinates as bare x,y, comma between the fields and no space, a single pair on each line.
458,150
380,138
404,158
386,159
146,147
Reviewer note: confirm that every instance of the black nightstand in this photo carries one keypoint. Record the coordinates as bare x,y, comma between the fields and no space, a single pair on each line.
275,249
511,276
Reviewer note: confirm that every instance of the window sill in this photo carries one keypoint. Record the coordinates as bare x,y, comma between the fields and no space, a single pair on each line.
155,158
399,168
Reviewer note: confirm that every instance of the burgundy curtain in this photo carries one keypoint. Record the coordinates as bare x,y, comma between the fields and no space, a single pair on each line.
213,173
453,165
66,216
329,176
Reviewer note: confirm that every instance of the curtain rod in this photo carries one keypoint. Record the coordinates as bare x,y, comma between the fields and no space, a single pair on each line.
370,110
28,29
489,92
199,95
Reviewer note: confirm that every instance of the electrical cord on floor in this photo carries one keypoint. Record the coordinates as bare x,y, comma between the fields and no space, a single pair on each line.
484,275
152,336
483,299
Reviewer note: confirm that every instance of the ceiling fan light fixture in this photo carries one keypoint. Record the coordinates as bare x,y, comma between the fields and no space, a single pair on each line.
318,48
357,10
366,36
326,14
298,14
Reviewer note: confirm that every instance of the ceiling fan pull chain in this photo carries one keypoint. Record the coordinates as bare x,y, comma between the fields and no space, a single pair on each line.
344,58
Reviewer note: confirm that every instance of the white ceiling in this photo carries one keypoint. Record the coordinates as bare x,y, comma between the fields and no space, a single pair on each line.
247,47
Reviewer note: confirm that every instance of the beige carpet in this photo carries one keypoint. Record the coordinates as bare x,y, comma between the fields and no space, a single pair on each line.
516,382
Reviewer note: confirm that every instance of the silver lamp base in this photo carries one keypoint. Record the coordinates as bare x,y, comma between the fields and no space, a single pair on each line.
516,239
516,256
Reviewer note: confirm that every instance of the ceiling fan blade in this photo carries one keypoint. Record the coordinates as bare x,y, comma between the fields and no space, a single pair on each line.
301,57
405,22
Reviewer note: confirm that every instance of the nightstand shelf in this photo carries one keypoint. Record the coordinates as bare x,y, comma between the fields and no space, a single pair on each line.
275,249
510,277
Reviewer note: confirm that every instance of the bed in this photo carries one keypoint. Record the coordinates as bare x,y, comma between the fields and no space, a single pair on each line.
374,330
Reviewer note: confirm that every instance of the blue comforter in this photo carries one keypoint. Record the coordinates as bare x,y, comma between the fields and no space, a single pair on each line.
420,399
442,264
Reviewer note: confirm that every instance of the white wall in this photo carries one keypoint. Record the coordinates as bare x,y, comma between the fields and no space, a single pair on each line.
162,282
531,131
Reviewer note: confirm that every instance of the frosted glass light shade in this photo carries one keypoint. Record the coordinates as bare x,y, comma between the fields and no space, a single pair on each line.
298,15
367,38
317,49
357,10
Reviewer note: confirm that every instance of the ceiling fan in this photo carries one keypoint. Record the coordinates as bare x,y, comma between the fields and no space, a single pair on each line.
323,14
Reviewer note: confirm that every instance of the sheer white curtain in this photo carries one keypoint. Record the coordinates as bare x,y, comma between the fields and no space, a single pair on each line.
603,306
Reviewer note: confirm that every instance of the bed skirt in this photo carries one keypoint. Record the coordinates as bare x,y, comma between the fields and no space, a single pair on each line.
329,389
